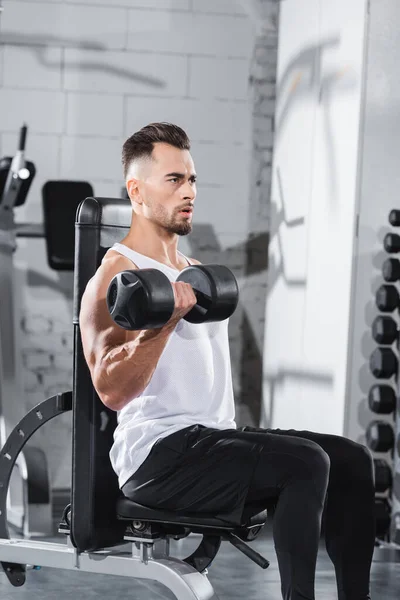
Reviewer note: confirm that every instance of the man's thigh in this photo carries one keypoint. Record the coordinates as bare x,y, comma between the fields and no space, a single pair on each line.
343,452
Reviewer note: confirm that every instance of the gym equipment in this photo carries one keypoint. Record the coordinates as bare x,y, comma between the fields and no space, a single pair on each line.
60,200
382,517
383,363
387,298
382,399
144,299
384,330
394,217
100,519
391,269
383,475
16,176
391,243
380,436
29,502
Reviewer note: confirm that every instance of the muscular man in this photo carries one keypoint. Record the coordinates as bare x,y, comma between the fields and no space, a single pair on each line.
176,445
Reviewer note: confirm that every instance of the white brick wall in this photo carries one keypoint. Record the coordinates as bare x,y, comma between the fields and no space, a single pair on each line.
84,75
42,110
65,24
161,4
107,120
189,33
125,73
204,120
218,78
86,158
227,7
38,67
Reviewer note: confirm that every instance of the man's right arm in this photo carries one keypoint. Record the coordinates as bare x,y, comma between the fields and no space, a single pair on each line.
122,362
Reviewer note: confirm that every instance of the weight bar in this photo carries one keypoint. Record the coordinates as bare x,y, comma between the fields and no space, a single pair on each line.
384,330
380,436
383,363
394,217
382,517
144,298
387,298
382,399
383,475
391,269
391,243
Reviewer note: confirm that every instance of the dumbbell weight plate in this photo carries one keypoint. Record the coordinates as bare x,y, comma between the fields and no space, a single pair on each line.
391,243
216,289
391,269
379,436
382,399
140,299
383,475
383,363
384,330
387,298
394,217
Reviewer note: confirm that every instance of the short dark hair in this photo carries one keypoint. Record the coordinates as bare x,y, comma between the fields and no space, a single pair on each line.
141,143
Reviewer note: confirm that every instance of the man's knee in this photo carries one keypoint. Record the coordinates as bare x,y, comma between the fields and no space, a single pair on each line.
362,461
356,461
316,459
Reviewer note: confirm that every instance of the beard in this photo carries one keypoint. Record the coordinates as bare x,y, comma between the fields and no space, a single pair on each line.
171,223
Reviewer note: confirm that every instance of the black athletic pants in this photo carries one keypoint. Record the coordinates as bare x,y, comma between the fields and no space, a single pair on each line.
301,466
302,472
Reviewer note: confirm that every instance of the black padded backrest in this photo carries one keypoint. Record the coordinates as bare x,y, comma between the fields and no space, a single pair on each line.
60,202
100,222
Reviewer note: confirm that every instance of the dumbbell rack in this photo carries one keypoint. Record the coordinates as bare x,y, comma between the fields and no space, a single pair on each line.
383,434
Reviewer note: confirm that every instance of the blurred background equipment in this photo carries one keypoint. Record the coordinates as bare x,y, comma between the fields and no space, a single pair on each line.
29,502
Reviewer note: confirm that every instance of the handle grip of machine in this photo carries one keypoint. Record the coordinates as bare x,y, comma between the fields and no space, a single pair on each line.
22,137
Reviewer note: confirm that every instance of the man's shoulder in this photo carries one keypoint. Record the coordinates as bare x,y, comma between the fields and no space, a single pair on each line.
194,261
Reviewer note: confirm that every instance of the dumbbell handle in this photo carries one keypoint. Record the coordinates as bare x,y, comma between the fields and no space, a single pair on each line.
203,299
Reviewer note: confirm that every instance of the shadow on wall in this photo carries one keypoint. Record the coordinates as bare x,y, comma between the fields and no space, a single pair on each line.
278,270
303,80
38,44
300,375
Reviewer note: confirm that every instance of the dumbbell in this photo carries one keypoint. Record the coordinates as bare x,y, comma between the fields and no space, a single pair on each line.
391,243
379,436
383,475
384,330
387,298
394,217
383,363
144,298
391,269
382,399
382,517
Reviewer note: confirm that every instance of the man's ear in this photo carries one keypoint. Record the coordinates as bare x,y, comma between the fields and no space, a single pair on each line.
133,190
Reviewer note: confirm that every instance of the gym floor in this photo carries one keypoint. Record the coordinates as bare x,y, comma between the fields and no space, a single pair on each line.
232,575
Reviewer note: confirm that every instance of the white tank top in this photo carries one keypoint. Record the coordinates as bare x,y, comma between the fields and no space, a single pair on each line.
191,384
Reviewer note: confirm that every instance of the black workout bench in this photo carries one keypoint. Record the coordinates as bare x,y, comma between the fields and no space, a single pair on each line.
100,521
